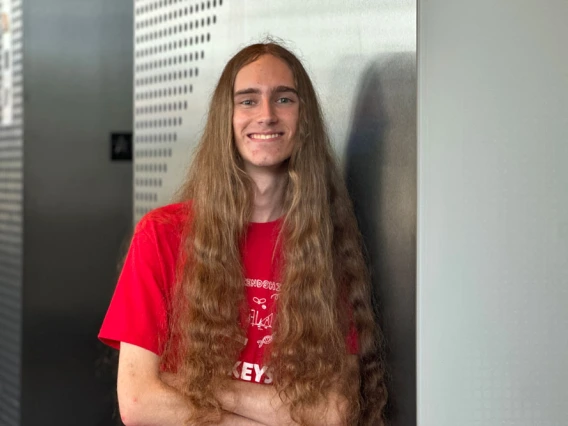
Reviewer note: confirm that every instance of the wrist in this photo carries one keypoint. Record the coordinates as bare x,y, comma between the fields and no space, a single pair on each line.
228,396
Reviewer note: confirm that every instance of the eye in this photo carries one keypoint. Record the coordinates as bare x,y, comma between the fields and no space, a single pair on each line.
246,102
284,100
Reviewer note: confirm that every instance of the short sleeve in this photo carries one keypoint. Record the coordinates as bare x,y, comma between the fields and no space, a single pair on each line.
138,310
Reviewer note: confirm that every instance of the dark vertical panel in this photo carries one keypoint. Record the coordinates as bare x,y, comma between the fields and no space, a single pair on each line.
78,204
380,163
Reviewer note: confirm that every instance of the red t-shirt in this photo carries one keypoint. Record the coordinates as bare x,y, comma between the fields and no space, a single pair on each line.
138,310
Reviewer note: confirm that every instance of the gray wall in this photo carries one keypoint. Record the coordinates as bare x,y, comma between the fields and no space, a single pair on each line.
77,203
493,209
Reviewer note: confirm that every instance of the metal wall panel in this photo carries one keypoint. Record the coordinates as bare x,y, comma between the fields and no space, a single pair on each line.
493,209
361,56
173,42
11,228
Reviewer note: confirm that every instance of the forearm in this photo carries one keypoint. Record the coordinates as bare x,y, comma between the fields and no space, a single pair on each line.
148,397
161,405
262,403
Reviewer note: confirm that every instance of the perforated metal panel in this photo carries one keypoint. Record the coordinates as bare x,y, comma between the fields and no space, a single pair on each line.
11,193
172,41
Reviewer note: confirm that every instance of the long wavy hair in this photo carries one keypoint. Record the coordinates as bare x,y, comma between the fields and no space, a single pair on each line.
325,282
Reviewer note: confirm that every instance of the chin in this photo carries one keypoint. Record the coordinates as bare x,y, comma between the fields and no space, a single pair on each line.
268,165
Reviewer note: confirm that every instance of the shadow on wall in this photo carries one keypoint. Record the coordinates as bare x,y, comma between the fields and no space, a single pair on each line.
380,166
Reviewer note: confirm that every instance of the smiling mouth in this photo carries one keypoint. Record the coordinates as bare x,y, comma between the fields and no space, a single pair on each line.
264,136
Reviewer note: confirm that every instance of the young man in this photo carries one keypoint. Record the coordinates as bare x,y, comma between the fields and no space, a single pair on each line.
247,303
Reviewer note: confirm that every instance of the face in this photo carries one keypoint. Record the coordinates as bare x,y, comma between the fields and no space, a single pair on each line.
265,117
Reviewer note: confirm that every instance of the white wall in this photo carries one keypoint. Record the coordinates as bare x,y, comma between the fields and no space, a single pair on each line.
493,209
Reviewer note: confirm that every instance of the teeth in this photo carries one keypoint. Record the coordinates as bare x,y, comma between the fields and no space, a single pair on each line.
255,136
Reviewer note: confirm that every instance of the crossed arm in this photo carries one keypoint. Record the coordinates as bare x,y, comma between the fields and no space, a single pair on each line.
148,398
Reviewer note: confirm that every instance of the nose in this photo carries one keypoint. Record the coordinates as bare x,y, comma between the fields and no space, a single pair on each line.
267,112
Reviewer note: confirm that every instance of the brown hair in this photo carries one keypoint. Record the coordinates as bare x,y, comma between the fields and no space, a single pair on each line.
324,277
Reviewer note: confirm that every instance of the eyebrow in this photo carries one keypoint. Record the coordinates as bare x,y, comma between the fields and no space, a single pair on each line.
278,89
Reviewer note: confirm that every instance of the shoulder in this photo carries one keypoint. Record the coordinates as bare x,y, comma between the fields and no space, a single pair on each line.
168,220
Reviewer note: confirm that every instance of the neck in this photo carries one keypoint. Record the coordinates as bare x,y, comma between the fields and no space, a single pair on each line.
268,194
